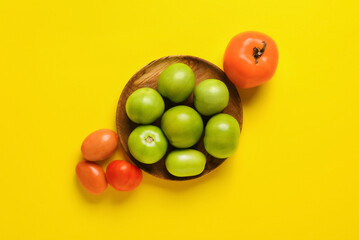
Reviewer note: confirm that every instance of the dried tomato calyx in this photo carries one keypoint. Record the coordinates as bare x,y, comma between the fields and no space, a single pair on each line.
258,52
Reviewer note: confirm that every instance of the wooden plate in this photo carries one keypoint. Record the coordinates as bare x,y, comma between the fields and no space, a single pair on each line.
147,77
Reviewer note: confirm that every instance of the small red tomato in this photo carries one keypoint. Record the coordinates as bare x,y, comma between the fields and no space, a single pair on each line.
99,145
123,176
250,59
91,176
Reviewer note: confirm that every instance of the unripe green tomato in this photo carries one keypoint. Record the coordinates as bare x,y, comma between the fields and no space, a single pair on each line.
182,125
210,96
176,82
185,163
221,135
144,106
147,144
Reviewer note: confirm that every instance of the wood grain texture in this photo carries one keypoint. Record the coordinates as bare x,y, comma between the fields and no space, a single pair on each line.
147,77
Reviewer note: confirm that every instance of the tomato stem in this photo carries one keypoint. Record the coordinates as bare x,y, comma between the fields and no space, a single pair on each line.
149,139
258,52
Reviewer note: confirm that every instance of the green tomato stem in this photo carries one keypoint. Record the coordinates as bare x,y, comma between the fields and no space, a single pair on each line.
149,139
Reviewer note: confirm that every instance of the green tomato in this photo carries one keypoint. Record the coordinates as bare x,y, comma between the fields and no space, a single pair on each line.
185,163
221,135
210,96
147,144
176,82
144,106
182,125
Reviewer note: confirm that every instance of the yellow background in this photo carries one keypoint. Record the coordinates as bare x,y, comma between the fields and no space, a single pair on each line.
63,65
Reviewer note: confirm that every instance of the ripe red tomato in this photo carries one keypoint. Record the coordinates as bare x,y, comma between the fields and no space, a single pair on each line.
99,145
123,176
91,176
250,59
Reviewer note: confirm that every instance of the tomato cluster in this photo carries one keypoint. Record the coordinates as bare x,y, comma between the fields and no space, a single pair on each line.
121,175
181,126
250,60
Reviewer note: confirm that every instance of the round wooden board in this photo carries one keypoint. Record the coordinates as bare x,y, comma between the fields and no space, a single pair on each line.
147,77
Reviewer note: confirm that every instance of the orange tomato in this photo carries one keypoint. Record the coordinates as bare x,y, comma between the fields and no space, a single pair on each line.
99,145
91,176
250,59
123,176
